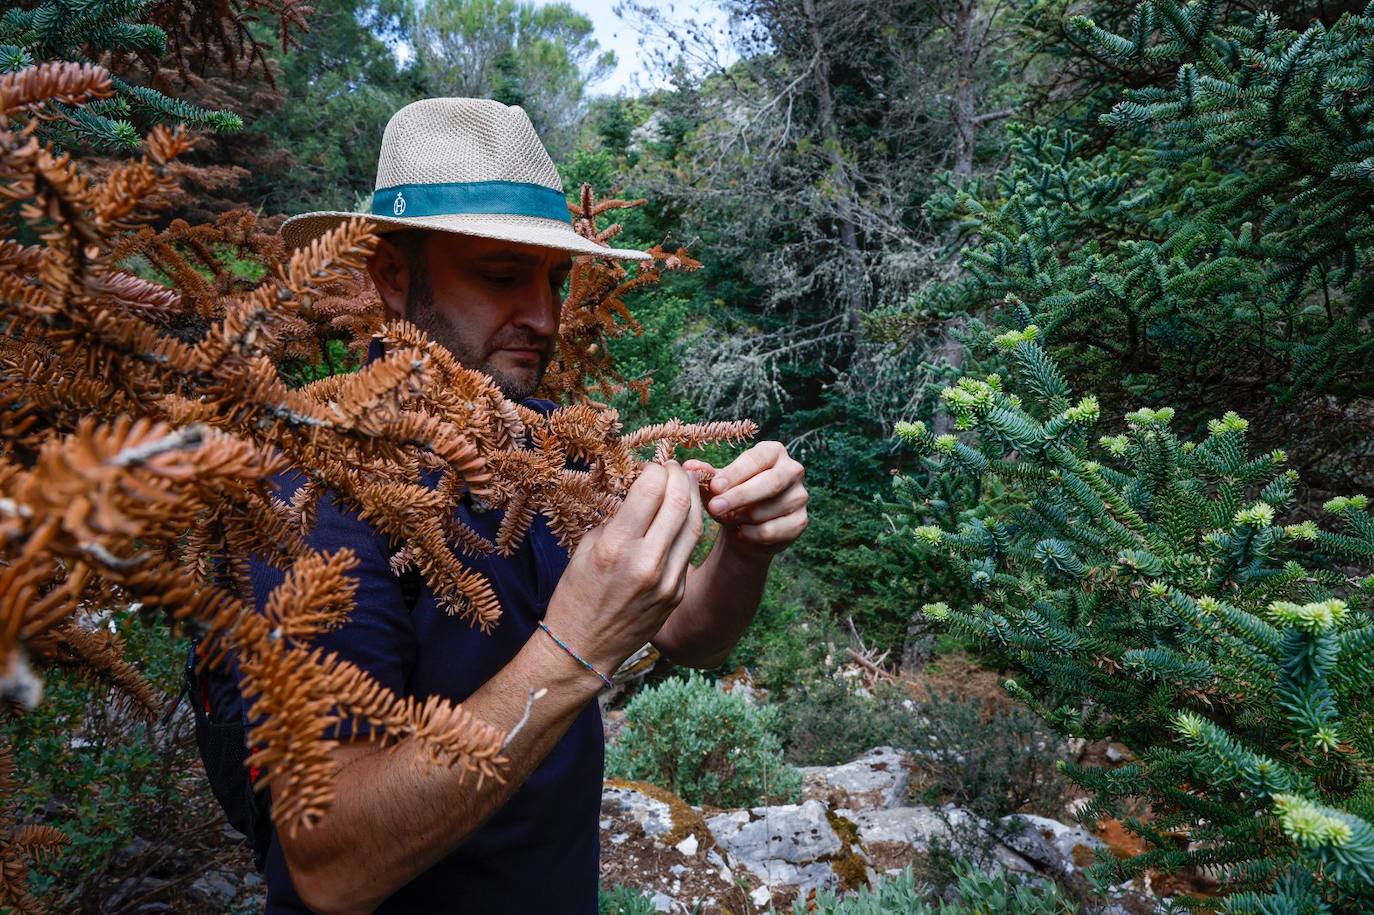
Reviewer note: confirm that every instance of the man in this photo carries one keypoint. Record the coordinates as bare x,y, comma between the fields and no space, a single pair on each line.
476,247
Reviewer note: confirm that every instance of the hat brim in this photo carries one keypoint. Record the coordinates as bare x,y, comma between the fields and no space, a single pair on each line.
299,231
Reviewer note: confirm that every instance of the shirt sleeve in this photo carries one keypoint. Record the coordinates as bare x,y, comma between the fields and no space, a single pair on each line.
379,635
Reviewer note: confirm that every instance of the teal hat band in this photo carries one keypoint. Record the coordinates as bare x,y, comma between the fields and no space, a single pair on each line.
503,198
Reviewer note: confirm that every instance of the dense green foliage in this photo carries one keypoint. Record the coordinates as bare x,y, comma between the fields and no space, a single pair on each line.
53,30
706,745
974,893
128,795
1190,234
1144,584
538,56
337,91
1212,249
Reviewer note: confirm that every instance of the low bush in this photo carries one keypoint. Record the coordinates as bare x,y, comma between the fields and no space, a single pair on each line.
624,900
992,761
848,568
824,722
973,893
706,746
789,640
991,758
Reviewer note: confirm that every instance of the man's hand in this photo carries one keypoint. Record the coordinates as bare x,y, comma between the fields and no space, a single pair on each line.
759,499
631,572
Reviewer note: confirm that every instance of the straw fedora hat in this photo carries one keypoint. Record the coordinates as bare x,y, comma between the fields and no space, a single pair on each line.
468,166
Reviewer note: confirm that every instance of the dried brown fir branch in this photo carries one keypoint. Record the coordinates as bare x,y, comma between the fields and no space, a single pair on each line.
31,90
594,310
145,416
92,500
571,465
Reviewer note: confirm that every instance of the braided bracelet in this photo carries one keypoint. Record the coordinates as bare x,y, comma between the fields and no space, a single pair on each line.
577,657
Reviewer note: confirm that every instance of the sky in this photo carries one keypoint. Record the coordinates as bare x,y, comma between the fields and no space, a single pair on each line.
615,34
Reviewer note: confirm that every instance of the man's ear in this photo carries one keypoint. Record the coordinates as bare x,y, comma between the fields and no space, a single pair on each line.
390,272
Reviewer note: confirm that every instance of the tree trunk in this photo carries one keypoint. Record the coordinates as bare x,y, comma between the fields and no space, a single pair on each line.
853,293
917,645
965,99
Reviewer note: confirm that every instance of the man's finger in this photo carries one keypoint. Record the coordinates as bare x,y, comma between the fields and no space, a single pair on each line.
776,533
791,499
756,489
680,553
641,503
754,461
677,500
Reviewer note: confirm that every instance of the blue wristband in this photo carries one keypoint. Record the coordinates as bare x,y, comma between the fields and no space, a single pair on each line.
581,660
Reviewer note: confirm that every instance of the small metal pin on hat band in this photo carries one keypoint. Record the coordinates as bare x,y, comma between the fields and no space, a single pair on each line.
399,206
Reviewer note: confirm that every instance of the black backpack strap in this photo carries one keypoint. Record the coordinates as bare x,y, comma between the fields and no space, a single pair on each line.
412,583
222,738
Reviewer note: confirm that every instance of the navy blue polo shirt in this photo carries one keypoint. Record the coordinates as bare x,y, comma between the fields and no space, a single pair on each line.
540,852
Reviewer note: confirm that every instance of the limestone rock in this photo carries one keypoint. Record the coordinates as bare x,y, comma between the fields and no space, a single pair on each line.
893,835
789,844
1073,847
652,815
878,779
851,824
217,888
653,841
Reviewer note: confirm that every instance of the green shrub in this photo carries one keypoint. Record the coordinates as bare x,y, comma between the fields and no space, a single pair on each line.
991,762
787,644
849,567
624,900
824,722
706,746
1150,594
974,893
852,569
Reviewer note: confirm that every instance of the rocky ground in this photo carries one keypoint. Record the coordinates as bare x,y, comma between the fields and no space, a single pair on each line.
854,825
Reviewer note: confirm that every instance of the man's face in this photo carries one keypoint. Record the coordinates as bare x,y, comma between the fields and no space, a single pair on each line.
493,304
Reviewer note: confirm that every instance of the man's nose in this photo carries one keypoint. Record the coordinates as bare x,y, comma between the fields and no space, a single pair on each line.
538,311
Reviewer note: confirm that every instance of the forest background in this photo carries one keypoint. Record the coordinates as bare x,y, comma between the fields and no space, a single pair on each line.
876,190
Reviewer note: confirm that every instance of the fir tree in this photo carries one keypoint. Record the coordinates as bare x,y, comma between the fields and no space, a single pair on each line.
1147,588
1215,252
129,36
